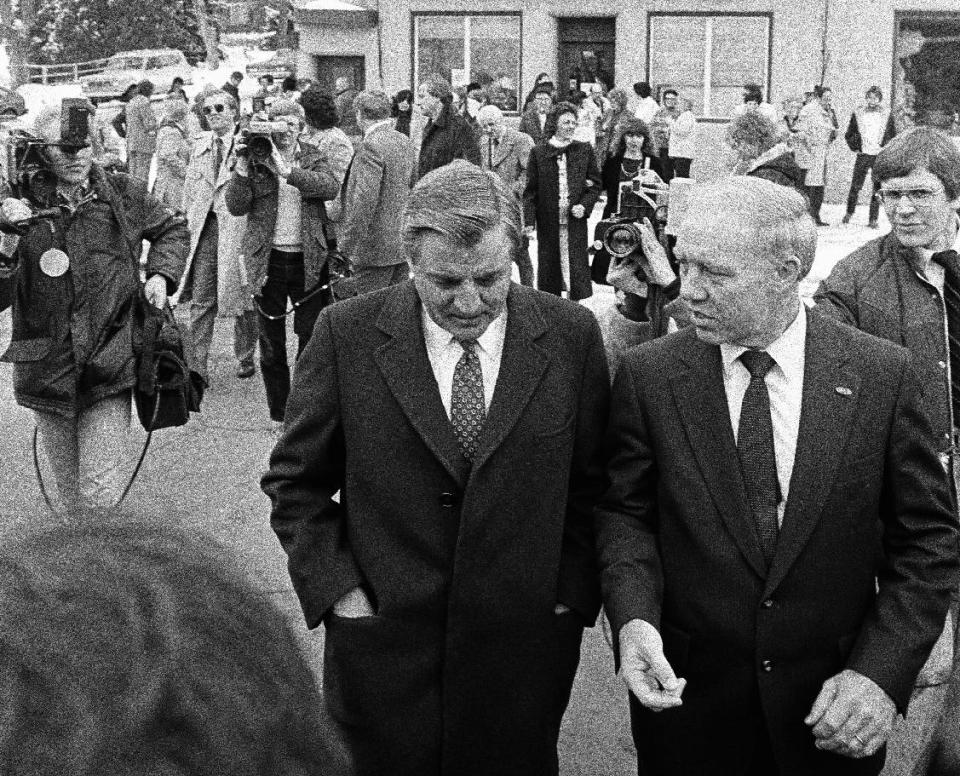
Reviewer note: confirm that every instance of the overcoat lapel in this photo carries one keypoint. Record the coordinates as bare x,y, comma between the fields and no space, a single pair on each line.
831,392
501,151
521,369
701,400
405,366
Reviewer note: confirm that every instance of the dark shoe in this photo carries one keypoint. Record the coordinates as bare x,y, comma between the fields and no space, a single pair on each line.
820,222
846,218
873,225
245,370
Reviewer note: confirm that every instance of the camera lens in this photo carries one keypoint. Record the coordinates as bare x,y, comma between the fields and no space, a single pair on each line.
260,147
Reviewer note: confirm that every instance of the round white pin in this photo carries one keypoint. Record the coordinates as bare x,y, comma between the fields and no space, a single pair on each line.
54,262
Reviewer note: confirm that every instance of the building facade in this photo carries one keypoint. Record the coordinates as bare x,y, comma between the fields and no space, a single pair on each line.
707,50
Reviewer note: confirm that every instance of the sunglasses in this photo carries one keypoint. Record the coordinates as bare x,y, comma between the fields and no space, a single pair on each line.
208,109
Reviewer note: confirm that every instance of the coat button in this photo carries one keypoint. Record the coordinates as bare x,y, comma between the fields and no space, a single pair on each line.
767,665
768,604
448,500
942,364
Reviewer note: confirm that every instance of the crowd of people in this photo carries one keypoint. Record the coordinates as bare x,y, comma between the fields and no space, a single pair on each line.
761,495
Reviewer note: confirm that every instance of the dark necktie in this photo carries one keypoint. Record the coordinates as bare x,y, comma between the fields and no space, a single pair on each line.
757,454
951,300
217,157
467,407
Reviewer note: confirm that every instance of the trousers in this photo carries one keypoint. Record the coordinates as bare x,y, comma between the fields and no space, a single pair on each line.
285,280
85,451
863,165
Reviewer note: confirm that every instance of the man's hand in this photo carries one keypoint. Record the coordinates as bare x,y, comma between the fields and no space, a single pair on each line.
283,169
155,289
242,165
654,259
578,211
528,231
852,715
354,604
644,668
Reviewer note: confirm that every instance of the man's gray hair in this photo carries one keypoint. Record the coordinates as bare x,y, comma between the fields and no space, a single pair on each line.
438,86
489,113
372,105
462,203
779,215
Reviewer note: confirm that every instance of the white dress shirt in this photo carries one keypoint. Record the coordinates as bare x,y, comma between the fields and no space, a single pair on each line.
444,352
785,386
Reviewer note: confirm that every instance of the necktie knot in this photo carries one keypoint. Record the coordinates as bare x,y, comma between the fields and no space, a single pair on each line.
757,362
468,345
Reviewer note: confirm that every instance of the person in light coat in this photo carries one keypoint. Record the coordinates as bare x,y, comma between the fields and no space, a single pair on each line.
215,279
818,129
173,153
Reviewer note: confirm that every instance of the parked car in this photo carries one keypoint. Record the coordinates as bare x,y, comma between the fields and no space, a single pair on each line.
160,66
280,64
12,105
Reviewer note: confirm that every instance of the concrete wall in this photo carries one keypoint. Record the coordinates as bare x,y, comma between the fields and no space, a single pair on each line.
859,42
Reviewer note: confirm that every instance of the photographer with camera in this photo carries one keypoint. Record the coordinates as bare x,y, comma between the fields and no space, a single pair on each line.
69,256
281,180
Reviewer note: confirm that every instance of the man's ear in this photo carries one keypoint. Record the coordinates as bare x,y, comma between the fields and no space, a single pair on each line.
789,268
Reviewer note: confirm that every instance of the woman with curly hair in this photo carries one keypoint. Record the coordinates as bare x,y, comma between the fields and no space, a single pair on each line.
401,111
760,152
563,185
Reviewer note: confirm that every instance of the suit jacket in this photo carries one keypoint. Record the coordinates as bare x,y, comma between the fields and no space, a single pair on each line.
508,158
869,502
378,185
464,564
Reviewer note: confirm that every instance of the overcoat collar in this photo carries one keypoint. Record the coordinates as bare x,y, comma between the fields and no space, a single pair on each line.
404,363
824,428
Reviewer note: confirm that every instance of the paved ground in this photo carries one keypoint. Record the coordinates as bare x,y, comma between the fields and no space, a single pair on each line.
206,474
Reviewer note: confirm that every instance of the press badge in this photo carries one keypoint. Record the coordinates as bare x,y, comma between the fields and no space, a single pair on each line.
54,262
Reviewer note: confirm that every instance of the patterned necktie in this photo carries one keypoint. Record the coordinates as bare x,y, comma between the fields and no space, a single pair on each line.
756,451
467,407
951,300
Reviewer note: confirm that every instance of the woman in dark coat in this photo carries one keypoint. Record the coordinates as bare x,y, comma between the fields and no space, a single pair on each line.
560,205
401,111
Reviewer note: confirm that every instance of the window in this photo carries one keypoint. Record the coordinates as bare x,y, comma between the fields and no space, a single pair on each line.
708,59
484,48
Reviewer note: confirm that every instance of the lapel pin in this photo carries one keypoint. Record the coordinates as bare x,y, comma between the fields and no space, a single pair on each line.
844,391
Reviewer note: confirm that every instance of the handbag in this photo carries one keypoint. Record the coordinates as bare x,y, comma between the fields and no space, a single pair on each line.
167,389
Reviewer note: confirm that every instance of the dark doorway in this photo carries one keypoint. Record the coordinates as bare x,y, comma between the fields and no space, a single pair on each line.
329,69
586,51
926,74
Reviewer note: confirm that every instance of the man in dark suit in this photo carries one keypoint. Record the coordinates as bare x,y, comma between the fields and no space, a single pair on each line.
534,119
460,419
378,185
447,135
778,529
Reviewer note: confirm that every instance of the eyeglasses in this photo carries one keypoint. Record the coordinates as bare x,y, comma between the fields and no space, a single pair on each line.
917,197
208,109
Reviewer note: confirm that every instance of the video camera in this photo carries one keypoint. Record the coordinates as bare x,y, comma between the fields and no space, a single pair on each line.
256,136
30,175
645,196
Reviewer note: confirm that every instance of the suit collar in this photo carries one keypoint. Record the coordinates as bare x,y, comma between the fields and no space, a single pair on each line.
831,393
403,361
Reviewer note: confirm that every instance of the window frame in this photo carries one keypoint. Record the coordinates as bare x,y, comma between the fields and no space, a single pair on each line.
767,83
415,45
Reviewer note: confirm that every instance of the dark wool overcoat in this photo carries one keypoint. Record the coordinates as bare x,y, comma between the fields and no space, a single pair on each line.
464,564
541,202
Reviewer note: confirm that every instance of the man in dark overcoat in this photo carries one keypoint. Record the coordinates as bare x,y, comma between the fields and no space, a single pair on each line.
447,135
778,545
459,417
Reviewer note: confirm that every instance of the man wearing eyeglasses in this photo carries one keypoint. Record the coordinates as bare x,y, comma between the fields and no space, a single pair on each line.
905,287
214,281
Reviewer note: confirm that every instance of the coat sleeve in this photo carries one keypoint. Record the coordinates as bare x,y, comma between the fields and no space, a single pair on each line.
525,146
366,179
306,471
468,147
627,518
919,563
166,231
592,185
838,294
530,190
238,195
321,175
577,586
852,135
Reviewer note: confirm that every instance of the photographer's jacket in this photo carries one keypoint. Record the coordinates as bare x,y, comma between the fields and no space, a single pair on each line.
257,197
72,335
